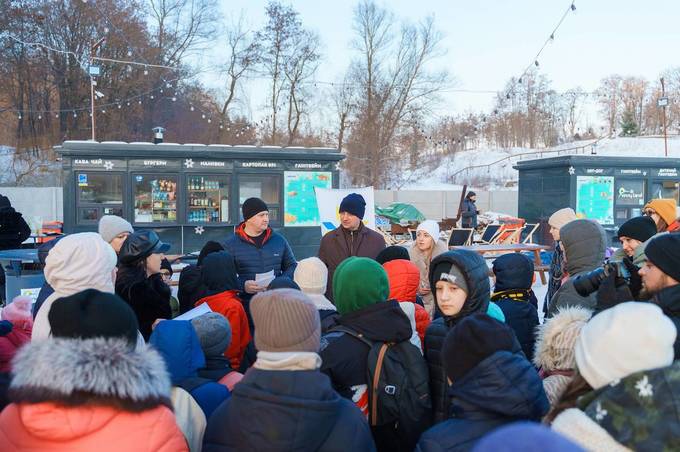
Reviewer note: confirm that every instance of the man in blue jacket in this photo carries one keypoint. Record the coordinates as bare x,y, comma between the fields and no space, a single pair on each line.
469,212
257,249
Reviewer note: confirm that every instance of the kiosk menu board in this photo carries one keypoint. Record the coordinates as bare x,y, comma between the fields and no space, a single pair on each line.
595,198
300,196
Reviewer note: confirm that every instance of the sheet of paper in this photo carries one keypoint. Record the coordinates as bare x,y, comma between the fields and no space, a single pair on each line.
264,279
197,311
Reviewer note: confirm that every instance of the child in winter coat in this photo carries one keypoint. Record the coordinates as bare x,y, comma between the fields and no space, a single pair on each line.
218,272
214,334
461,287
620,354
18,313
311,275
88,388
512,293
493,384
178,344
554,349
425,248
283,402
404,279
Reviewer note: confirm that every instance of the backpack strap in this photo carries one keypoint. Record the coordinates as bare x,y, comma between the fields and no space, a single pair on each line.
376,381
351,332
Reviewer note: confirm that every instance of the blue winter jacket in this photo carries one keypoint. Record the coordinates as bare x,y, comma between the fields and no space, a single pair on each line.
177,342
502,389
275,254
280,410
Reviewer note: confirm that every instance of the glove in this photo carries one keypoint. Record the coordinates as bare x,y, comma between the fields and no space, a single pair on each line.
609,294
635,284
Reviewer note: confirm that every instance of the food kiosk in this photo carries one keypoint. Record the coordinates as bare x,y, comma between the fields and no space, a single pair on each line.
192,193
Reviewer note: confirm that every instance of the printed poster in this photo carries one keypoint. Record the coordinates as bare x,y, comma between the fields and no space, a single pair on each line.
329,205
595,198
300,196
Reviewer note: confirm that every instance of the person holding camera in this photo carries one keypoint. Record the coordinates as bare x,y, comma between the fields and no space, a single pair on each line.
661,277
584,243
618,280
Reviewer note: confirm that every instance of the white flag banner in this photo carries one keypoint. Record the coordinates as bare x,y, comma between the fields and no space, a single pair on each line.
328,201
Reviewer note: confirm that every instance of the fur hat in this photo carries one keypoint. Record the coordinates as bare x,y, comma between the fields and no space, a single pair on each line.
556,338
562,217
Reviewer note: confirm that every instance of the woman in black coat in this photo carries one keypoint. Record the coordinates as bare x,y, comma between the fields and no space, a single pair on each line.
475,272
139,281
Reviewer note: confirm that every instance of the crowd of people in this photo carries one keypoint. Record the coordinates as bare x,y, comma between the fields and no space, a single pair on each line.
365,347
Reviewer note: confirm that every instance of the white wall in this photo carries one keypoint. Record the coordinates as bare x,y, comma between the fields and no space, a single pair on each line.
436,204
45,202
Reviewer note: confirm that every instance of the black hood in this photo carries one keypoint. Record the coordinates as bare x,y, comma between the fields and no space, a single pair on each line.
381,322
504,385
209,247
4,202
218,272
476,274
513,271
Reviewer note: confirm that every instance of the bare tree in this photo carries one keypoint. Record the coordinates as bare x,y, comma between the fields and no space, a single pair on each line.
610,100
244,54
393,82
344,103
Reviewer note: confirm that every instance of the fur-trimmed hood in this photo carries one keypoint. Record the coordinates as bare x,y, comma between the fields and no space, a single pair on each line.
556,338
98,371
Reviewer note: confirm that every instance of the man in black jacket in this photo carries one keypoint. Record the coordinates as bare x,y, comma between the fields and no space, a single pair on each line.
661,277
13,231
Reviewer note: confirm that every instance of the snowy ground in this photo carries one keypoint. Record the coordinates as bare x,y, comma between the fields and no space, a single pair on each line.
502,176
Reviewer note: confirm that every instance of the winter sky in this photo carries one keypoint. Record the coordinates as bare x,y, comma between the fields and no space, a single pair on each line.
488,41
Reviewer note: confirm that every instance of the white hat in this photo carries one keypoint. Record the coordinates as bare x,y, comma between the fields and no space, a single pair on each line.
562,217
311,275
628,338
431,227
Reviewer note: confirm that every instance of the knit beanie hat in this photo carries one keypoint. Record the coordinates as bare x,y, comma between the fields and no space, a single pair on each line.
666,208
628,338
562,217
431,227
445,271
664,252
355,204
285,320
112,225
471,341
19,312
282,282
638,228
311,275
359,282
392,253
92,313
214,333
253,206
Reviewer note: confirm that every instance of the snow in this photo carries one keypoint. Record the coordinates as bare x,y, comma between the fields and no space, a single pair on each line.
494,175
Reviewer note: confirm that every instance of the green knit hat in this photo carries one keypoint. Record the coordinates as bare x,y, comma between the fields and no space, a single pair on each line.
359,282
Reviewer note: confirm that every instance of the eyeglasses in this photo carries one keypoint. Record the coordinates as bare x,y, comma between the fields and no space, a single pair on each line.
649,212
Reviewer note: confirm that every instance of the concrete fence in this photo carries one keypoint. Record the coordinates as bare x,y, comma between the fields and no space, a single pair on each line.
437,204
47,202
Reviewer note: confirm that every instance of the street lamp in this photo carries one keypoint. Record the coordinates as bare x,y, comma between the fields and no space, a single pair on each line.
663,103
94,71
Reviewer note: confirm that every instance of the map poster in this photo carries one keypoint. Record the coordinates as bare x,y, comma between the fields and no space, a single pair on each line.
595,198
300,196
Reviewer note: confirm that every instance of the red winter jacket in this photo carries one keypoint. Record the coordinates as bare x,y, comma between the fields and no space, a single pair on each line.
404,278
229,305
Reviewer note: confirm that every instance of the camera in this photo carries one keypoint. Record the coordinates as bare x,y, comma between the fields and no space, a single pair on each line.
590,282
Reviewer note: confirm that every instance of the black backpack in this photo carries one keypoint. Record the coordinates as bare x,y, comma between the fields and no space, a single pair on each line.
398,389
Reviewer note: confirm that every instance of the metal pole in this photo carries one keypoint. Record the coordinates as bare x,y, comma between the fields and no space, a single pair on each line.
92,106
665,135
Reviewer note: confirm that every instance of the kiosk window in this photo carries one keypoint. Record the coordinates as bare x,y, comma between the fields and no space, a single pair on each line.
99,188
266,187
665,190
208,199
155,198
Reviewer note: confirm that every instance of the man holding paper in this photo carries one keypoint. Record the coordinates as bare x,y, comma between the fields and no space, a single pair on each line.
260,253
